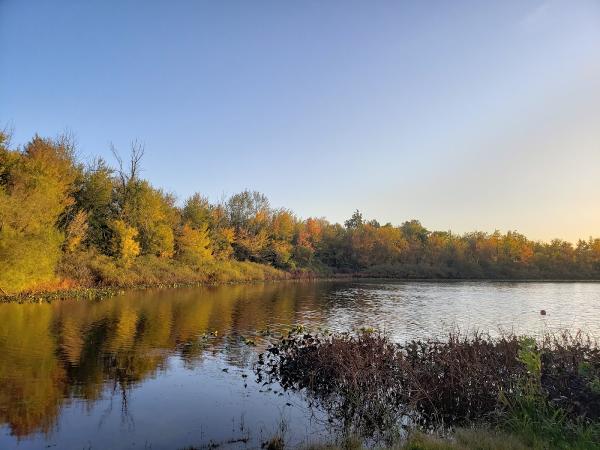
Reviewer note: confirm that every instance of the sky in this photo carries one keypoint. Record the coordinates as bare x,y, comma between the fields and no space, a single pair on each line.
466,115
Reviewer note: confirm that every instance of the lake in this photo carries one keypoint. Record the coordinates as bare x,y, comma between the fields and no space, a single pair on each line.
168,369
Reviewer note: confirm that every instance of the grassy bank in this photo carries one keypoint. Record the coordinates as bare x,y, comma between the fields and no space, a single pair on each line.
96,270
93,275
460,439
544,394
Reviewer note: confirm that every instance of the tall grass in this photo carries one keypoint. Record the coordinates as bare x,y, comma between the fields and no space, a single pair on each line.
91,269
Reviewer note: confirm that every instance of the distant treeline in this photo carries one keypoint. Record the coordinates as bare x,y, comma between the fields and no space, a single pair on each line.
66,224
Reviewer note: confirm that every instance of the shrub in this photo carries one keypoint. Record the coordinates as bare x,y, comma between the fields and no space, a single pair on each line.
28,260
373,387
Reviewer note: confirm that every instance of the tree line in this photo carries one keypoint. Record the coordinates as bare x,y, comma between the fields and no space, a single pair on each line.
65,223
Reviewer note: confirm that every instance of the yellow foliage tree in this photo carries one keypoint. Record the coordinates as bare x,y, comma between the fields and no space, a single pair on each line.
153,214
221,242
76,232
163,240
35,189
124,245
193,245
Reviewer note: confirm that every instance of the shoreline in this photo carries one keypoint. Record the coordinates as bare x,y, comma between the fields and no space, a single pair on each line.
98,293
102,292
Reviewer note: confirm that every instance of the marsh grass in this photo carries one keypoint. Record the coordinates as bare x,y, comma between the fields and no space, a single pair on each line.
460,439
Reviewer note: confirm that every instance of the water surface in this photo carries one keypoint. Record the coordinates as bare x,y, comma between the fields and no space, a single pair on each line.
165,369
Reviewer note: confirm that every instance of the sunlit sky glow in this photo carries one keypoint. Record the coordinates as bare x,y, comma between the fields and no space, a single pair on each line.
466,115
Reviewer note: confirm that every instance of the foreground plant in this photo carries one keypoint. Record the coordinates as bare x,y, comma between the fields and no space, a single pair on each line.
376,388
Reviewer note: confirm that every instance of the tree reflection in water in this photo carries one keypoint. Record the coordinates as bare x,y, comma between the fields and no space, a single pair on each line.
53,354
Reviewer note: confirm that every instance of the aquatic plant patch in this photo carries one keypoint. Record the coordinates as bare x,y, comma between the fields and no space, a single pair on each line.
377,388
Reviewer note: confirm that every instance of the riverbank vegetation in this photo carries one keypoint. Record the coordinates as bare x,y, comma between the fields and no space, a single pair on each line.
545,393
460,439
64,224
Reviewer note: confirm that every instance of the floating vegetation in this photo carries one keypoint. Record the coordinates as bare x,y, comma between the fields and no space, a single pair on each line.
48,297
248,341
297,329
367,330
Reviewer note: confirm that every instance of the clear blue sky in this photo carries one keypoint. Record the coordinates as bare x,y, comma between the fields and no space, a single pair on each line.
463,114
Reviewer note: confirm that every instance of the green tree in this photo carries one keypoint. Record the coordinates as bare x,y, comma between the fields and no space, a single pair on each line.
95,198
249,215
197,211
356,221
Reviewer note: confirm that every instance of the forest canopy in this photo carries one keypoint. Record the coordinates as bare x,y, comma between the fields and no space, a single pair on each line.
67,224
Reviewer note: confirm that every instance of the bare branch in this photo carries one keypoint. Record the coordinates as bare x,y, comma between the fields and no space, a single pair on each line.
120,170
137,153
68,141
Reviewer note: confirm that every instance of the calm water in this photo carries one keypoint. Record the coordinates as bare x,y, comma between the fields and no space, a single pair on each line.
169,368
